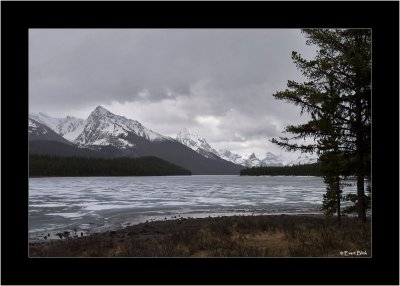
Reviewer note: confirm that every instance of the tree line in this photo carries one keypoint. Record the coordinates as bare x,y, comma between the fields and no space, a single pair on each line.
337,96
295,170
54,166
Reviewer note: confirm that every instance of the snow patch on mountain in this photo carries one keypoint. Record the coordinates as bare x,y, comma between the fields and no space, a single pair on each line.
69,127
31,126
197,143
303,159
36,129
250,160
231,157
105,128
40,131
271,160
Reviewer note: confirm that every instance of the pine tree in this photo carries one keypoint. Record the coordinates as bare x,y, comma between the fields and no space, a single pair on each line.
338,98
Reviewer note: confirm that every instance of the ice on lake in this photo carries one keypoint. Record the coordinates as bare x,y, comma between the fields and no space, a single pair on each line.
93,204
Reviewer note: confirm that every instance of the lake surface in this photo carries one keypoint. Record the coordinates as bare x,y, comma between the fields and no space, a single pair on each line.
92,204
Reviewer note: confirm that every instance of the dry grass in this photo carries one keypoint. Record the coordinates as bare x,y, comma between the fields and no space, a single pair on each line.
235,236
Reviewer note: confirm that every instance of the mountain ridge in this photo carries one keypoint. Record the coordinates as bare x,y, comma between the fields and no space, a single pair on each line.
39,131
251,160
68,127
105,128
128,137
197,143
115,135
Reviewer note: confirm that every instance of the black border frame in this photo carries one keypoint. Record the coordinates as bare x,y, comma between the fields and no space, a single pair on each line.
18,17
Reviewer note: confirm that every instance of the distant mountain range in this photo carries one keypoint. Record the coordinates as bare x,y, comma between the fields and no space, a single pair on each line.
269,160
251,160
302,160
68,127
107,135
201,146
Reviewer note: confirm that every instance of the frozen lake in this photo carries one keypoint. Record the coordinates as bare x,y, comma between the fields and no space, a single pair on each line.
92,204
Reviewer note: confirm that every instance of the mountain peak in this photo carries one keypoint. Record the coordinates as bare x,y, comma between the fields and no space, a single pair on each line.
271,160
196,143
43,114
101,110
252,156
250,160
184,132
304,159
106,128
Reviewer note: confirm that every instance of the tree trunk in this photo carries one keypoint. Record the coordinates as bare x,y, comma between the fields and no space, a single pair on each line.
338,200
361,145
360,162
360,191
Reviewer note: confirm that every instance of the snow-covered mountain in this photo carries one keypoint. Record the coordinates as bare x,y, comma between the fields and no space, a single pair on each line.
197,143
303,159
271,160
201,146
35,128
103,128
231,157
108,135
250,160
69,127
39,131
107,129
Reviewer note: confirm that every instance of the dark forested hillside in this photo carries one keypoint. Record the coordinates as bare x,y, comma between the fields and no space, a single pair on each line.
295,170
53,166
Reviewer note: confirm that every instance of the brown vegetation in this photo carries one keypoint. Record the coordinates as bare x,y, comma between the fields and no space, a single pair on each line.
235,236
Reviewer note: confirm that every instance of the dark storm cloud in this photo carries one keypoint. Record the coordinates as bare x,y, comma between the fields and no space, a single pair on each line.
169,78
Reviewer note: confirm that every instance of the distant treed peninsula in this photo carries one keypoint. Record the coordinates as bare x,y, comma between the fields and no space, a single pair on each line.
295,170
54,166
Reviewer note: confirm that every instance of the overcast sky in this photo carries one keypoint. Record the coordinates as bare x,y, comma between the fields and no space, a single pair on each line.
217,83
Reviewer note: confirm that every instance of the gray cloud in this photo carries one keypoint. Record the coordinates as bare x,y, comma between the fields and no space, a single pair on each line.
218,82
